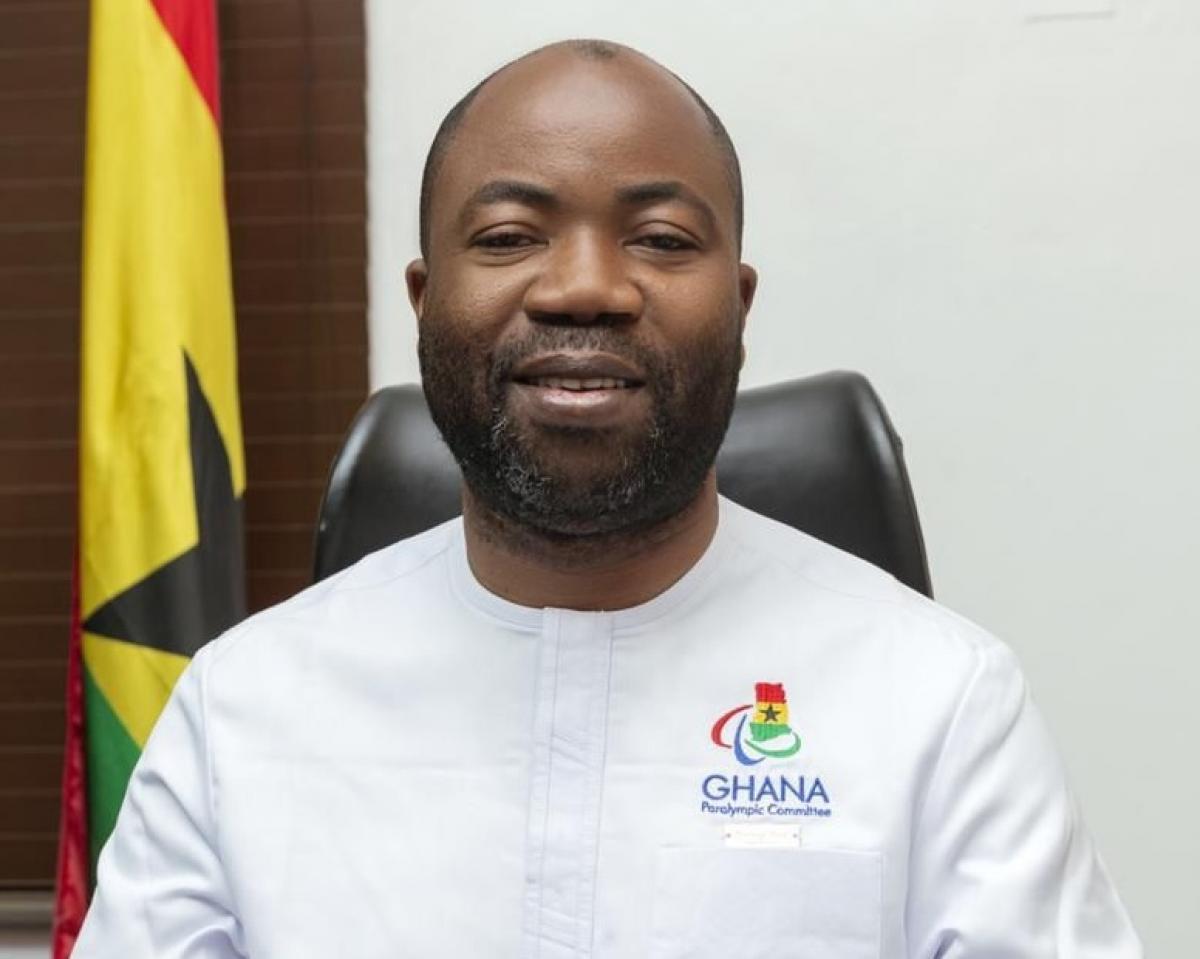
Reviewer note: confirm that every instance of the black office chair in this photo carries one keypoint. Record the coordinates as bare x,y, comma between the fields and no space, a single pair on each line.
818,453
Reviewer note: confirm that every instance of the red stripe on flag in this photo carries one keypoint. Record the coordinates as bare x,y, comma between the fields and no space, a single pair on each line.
769,693
71,891
192,24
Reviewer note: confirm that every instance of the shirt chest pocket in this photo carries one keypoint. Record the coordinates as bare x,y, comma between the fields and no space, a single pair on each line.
766,904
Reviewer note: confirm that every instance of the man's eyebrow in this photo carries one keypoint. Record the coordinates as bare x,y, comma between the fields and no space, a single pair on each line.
657,191
509,191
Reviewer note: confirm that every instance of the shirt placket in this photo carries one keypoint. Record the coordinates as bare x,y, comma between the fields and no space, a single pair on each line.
570,723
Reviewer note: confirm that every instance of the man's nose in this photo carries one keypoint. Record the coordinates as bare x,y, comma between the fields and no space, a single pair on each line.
585,280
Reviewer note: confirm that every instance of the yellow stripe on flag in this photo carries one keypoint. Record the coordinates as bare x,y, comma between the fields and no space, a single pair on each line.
771,713
136,680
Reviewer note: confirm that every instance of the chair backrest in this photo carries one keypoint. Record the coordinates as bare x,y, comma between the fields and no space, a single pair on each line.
817,453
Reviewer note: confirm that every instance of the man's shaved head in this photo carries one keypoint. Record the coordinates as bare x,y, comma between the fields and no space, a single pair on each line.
594,50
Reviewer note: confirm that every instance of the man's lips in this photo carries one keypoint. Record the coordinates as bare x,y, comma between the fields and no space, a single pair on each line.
579,389
578,372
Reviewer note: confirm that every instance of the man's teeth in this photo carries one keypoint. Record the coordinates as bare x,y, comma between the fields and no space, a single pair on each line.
568,383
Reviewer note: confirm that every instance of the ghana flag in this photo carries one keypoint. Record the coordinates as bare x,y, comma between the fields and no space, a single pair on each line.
160,567
770,717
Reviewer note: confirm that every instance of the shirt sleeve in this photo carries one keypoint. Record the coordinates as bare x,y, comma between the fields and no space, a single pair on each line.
161,890
1001,864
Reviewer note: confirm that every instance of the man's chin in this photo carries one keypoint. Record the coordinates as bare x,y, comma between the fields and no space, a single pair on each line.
562,501
579,516
583,463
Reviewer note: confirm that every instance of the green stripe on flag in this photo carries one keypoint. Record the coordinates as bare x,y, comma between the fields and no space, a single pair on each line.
111,756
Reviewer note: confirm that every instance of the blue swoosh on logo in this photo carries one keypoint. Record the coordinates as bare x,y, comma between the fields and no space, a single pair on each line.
742,756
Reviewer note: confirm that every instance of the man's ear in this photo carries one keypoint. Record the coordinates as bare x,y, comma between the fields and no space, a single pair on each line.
747,287
416,278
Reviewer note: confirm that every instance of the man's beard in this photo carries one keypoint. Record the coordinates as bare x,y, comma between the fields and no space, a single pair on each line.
649,478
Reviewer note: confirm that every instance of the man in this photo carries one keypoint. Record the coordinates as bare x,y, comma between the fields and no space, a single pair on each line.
606,713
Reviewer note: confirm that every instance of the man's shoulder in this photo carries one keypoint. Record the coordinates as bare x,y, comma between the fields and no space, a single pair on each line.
816,563
825,581
383,577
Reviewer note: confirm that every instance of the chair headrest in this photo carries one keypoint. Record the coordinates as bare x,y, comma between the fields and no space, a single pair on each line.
817,453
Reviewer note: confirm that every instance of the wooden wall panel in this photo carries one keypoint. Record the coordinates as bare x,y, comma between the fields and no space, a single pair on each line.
39,417
268,587
23,248
279,414
29,27
283,238
29,729
39,595
35,508
53,70
28,636
332,147
39,766
293,90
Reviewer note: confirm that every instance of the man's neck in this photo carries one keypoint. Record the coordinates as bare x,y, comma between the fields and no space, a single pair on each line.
611,573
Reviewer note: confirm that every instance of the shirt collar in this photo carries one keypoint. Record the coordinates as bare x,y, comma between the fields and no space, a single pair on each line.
474,594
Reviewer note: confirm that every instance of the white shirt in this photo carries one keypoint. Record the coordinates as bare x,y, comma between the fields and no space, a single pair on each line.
398,763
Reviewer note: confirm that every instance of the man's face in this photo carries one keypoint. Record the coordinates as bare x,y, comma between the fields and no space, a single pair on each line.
582,306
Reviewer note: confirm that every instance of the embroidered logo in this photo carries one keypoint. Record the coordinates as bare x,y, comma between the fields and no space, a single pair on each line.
760,729
756,732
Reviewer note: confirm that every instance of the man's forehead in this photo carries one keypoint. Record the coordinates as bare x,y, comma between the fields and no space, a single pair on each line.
559,79
557,108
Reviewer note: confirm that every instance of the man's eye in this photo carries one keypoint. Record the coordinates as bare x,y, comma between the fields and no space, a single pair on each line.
667,242
504,241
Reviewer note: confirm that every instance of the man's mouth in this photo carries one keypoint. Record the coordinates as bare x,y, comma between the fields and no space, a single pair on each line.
578,371
577,388
578,385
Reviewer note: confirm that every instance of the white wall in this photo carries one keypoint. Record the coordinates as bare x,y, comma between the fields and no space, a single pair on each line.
991,209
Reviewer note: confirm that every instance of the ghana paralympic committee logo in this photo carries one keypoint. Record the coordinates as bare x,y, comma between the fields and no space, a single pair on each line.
758,731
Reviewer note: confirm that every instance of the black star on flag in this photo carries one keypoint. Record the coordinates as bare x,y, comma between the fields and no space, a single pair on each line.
184,603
